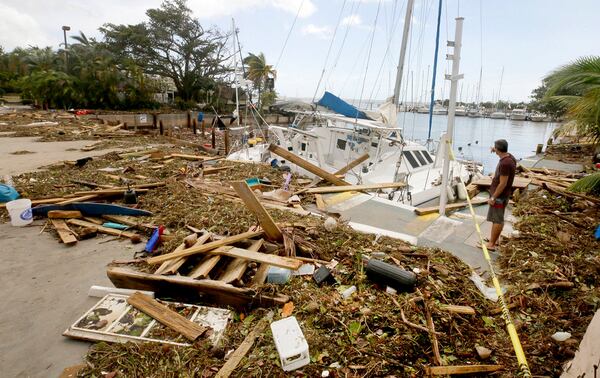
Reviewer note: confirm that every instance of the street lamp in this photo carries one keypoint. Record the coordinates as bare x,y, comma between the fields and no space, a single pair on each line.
65,29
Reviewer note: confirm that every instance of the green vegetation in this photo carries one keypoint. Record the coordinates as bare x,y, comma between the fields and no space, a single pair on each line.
576,86
131,63
260,72
588,184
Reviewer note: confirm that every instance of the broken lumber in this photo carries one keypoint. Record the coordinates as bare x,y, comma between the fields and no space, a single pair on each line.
556,190
202,270
452,206
352,164
77,199
336,189
220,292
205,247
266,222
210,171
466,310
518,183
320,202
235,358
275,260
235,270
166,316
64,232
461,369
135,238
171,266
190,157
64,214
307,165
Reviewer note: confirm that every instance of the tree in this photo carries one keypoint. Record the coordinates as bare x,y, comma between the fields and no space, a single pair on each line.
259,72
577,87
545,106
172,44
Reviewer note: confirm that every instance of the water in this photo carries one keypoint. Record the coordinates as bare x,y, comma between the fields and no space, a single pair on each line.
522,136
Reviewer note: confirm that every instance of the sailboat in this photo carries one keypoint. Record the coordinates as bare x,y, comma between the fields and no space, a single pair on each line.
336,133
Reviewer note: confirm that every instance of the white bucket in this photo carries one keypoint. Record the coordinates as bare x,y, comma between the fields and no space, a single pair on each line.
20,212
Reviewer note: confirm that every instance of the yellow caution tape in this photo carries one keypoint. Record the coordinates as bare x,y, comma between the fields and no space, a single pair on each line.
510,327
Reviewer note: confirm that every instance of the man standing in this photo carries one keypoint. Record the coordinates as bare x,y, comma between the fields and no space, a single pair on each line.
500,190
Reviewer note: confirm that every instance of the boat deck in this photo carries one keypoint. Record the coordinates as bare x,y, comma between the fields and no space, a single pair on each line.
455,234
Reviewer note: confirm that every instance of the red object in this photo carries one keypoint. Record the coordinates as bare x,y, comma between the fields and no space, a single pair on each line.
83,112
598,165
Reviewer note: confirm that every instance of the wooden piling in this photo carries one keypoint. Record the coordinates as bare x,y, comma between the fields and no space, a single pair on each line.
194,125
161,128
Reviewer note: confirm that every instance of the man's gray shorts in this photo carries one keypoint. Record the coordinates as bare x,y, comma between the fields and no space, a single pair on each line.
496,214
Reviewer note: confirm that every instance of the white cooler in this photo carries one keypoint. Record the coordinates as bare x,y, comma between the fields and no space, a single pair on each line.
290,343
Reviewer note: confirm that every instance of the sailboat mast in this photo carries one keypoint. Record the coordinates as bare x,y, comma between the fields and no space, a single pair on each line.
235,74
435,57
407,20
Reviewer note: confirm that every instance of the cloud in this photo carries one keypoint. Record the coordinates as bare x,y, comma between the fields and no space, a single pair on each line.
216,8
352,20
19,29
322,32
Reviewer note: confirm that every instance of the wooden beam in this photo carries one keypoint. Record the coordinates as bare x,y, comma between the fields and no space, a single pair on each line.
461,369
452,206
210,171
166,316
466,310
235,270
129,222
261,275
556,190
190,157
135,238
77,199
320,202
282,262
336,189
171,266
220,292
202,270
266,222
205,247
241,351
352,164
64,214
64,232
307,165
518,183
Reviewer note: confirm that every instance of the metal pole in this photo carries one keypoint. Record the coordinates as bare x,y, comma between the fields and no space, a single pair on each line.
65,29
435,57
235,80
448,138
407,19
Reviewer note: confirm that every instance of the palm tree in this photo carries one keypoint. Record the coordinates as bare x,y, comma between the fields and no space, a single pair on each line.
259,71
577,86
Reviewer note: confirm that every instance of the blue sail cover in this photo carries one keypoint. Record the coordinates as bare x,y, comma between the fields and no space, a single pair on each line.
333,102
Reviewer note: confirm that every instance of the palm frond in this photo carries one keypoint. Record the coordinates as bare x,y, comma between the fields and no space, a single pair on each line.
588,184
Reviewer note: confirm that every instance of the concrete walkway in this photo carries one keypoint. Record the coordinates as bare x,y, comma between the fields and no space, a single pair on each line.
539,161
455,234
44,287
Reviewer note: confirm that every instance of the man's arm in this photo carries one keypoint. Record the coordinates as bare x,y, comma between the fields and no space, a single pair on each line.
499,189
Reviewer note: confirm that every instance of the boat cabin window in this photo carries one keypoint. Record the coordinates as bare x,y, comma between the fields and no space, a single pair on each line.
427,156
420,157
303,146
341,144
374,144
411,159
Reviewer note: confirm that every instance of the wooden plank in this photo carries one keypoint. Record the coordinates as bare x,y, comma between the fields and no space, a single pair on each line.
40,201
135,238
307,165
461,369
204,267
106,192
518,183
266,222
241,351
557,190
282,262
166,316
205,247
171,266
191,157
449,207
466,310
210,171
352,164
77,199
220,292
261,275
320,202
64,232
472,190
94,220
138,153
235,270
64,214
129,222
337,189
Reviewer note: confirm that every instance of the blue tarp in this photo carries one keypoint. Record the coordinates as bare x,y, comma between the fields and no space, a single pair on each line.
333,102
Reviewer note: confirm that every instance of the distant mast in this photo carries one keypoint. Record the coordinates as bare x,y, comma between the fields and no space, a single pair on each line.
407,20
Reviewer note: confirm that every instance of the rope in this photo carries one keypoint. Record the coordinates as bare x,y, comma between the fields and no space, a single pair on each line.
368,58
510,327
337,58
289,34
329,50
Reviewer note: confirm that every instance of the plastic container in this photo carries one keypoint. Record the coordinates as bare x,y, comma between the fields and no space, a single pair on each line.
290,343
20,212
278,275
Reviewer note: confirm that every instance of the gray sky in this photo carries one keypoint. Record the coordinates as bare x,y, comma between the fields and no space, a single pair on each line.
528,38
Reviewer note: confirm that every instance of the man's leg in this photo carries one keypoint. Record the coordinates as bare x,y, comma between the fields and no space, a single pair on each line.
495,234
